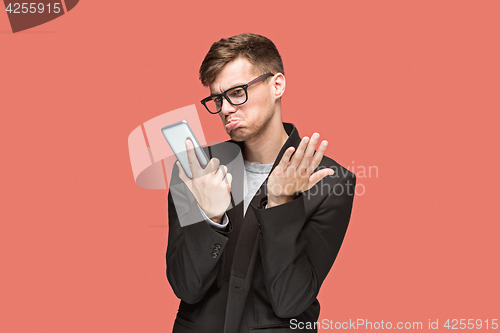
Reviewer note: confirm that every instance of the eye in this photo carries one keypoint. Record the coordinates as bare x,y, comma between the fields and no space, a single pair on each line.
237,92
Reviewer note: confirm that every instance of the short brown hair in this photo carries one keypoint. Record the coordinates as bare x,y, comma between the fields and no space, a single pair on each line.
259,50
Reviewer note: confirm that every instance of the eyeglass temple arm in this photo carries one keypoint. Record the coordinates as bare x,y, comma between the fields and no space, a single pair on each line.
260,78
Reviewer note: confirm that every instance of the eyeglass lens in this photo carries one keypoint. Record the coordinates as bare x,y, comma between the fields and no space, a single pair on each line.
236,96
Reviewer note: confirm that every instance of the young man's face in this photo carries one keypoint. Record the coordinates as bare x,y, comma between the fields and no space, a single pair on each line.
246,121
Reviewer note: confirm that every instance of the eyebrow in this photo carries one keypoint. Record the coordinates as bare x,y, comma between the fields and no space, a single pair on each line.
236,85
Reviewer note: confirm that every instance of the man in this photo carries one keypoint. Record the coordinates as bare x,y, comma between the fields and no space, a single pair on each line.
254,264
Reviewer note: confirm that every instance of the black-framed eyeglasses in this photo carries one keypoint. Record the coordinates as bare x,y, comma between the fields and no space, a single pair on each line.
235,96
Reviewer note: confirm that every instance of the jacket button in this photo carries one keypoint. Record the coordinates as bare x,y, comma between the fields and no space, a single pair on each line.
214,255
217,246
216,250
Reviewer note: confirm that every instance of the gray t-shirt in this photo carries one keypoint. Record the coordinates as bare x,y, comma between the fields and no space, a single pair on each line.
254,176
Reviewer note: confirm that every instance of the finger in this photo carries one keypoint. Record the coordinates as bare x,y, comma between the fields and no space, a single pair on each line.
311,147
182,174
285,159
229,180
221,172
297,157
319,155
213,165
305,168
318,175
194,164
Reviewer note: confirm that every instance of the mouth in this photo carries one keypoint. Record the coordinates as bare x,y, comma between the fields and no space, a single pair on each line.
232,124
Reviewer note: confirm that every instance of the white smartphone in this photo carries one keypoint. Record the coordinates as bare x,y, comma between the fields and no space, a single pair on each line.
176,135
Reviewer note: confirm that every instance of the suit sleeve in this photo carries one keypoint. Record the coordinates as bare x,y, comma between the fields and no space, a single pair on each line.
298,251
194,248
216,226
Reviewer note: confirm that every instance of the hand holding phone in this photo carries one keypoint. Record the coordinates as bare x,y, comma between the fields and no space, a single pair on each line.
209,181
211,186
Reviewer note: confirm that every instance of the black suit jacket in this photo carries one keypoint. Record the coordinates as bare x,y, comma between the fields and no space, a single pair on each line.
267,268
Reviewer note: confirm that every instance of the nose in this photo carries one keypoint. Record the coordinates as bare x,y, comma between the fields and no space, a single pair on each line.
227,108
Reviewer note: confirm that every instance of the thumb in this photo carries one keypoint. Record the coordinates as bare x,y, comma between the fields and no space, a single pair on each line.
318,175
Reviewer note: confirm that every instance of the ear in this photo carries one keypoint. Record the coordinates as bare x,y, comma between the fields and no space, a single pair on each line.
279,84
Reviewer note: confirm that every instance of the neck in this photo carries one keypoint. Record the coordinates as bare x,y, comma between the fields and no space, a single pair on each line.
264,148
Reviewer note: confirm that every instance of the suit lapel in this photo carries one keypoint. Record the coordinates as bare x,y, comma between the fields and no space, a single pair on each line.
247,237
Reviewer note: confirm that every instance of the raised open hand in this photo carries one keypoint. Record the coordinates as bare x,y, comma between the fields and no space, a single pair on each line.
294,176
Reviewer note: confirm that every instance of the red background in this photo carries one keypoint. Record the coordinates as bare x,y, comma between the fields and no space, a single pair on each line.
410,87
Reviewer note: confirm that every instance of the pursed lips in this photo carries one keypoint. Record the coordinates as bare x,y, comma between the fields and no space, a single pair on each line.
231,123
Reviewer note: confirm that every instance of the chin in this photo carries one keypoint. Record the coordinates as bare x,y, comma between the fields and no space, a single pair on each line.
238,135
